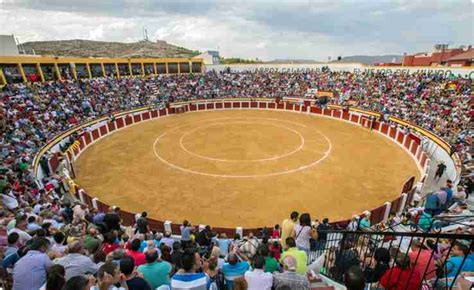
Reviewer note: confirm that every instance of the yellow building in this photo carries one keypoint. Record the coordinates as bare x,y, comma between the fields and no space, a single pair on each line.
17,69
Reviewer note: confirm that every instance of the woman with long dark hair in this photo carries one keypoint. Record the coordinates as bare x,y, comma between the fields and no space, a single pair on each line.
304,232
55,277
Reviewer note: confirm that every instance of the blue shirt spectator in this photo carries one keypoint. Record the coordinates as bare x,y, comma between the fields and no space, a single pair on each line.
10,260
432,203
185,232
453,264
98,218
234,269
32,225
30,271
223,242
449,194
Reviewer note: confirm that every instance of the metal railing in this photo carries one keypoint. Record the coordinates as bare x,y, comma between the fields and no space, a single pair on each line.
448,223
343,249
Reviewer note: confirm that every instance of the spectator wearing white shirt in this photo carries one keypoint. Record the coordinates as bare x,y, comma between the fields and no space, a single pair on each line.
9,201
249,245
79,213
20,227
58,243
257,279
37,208
353,224
32,225
304,232
167,239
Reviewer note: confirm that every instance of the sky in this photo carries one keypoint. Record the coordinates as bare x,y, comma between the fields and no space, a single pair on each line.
251,29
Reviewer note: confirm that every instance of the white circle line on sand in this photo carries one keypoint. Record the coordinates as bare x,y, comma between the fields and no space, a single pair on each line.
242,160
325,155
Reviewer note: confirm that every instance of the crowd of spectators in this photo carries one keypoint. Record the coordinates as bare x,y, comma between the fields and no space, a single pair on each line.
98,251
51,241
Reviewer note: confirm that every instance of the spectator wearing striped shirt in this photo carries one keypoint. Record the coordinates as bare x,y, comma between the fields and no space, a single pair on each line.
187,278
289,277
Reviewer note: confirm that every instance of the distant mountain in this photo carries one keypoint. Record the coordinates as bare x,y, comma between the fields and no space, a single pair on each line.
370,59
292,61
90,48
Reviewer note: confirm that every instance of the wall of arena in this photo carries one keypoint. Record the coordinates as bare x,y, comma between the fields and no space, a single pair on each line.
396,130
465,72
15,69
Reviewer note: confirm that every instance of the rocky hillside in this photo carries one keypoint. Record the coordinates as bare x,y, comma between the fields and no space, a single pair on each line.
89,48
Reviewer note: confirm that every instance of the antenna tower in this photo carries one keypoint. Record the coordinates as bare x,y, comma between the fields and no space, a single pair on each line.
145,34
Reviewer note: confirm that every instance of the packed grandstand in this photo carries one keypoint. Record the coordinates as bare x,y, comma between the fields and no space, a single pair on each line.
51,240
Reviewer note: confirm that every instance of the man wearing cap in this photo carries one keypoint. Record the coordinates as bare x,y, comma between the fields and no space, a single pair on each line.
289,277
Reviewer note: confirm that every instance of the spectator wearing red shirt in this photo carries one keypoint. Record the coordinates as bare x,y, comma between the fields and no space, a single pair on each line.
402,276
275,250
109,243
276,232
421,260
135,253
73,120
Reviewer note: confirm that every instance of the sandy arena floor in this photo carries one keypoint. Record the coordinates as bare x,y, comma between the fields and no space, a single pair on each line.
245,168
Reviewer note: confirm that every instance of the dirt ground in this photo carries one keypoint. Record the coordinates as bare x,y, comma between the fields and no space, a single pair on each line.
247,168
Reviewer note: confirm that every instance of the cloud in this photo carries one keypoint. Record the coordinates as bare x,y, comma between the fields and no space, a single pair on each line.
263,28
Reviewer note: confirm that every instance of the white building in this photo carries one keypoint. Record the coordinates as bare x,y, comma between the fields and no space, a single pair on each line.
209,57
8,45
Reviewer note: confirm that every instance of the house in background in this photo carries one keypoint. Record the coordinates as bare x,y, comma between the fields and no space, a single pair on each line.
8,45
463,59
440,56
209,57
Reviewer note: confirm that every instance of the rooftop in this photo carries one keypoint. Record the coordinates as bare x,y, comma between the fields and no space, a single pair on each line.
468,55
